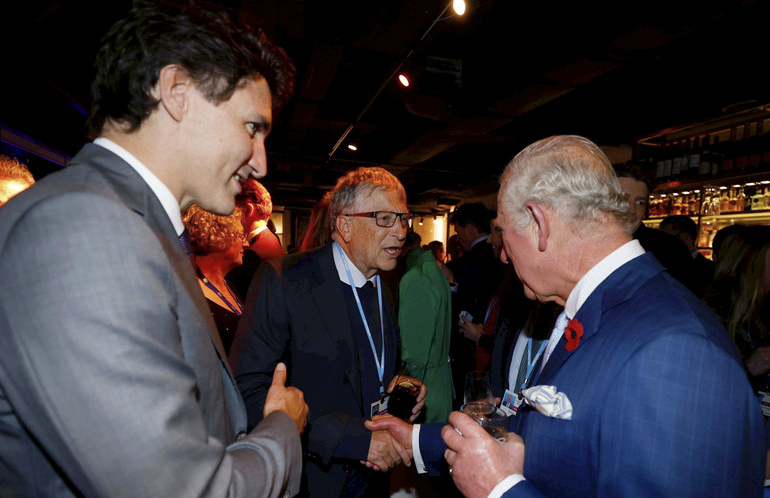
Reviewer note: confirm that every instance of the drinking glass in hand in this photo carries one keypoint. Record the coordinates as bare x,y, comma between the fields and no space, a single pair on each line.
477,388
402,400
491,418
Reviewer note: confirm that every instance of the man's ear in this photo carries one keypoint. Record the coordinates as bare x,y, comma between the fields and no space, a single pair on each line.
172,89
542,224
344,228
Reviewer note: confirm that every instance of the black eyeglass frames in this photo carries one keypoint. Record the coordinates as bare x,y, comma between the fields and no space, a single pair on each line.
387,219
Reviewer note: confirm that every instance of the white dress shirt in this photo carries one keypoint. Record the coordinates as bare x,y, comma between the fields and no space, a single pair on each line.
161,191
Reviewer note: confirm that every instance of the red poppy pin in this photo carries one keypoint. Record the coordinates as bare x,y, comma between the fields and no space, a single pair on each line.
573,333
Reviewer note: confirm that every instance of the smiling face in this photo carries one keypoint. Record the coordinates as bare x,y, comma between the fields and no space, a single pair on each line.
370,247
637,195
224,144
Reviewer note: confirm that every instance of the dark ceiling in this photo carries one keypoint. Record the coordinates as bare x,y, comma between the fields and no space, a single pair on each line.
485,84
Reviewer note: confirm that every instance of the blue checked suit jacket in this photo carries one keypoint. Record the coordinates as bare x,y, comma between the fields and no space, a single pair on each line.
662,405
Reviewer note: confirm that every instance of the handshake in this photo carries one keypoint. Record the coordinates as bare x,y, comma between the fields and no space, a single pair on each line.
478,462
391,441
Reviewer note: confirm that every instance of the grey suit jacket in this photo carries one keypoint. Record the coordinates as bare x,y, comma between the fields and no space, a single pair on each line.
113,380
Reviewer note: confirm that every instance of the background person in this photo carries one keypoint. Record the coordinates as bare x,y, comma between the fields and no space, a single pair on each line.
217,243
331,317
14,177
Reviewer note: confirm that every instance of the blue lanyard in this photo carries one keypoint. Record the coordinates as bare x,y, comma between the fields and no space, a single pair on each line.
531,362
380,362
238,311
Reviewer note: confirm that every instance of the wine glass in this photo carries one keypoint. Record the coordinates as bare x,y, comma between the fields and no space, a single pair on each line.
493,419
478,388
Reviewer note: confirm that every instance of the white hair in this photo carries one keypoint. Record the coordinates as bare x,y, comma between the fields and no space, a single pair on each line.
568,174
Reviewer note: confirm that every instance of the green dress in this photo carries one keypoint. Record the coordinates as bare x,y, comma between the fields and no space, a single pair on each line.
424,321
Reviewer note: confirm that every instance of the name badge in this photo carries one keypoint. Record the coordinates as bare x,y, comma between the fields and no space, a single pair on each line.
380,407
511,403
764,401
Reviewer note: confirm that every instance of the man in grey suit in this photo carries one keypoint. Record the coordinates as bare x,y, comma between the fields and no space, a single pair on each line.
113,379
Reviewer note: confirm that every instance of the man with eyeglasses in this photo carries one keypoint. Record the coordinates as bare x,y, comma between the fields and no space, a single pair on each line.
340,341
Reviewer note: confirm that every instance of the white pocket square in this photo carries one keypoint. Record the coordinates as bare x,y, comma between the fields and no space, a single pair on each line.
548,401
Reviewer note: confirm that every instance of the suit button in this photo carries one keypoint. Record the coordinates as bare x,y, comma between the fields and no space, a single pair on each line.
240,435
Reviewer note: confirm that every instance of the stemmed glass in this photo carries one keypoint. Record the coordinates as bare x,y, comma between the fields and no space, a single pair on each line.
478,388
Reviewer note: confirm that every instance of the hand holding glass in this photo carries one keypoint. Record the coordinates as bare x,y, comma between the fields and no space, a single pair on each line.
493,419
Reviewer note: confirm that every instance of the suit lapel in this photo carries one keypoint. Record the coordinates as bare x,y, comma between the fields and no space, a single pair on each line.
134,192
327,296
616,289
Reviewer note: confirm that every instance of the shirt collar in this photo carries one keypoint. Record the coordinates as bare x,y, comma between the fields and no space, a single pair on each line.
358,278
599,273
164,195
479,240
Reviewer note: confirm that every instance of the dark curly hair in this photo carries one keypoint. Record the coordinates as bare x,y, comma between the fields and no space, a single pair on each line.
217,53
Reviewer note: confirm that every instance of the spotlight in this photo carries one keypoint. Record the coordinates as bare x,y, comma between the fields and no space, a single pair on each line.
402,78
352,147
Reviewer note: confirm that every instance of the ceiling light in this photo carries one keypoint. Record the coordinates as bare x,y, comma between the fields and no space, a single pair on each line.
403,79
352,147
459,7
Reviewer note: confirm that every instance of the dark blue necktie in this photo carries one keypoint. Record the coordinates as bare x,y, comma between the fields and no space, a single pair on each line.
185,241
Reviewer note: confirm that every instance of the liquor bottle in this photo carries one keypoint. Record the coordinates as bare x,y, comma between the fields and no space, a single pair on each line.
724,201
695,152
667,162
659,163
755,148
704,169
716,157
743,201
764,147
676,160
742,149
676,204
732,201
728,151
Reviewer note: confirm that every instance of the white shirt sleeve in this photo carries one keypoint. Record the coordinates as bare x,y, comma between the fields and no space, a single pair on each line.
416,455
505,485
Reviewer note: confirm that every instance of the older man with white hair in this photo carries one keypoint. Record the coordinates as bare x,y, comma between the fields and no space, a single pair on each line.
651,398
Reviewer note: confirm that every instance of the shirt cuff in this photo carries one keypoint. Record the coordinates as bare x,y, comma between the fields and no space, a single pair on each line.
416,455
505,485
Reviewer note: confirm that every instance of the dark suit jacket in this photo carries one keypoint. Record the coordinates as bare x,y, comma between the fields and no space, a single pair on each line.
661,404
113,380
296,312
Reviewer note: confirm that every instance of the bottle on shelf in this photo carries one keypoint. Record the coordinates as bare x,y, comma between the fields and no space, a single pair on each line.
764,147
732,201
716,157
755,147
667,162
745,200
728,151
676,161
704,168
695,153
742,149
